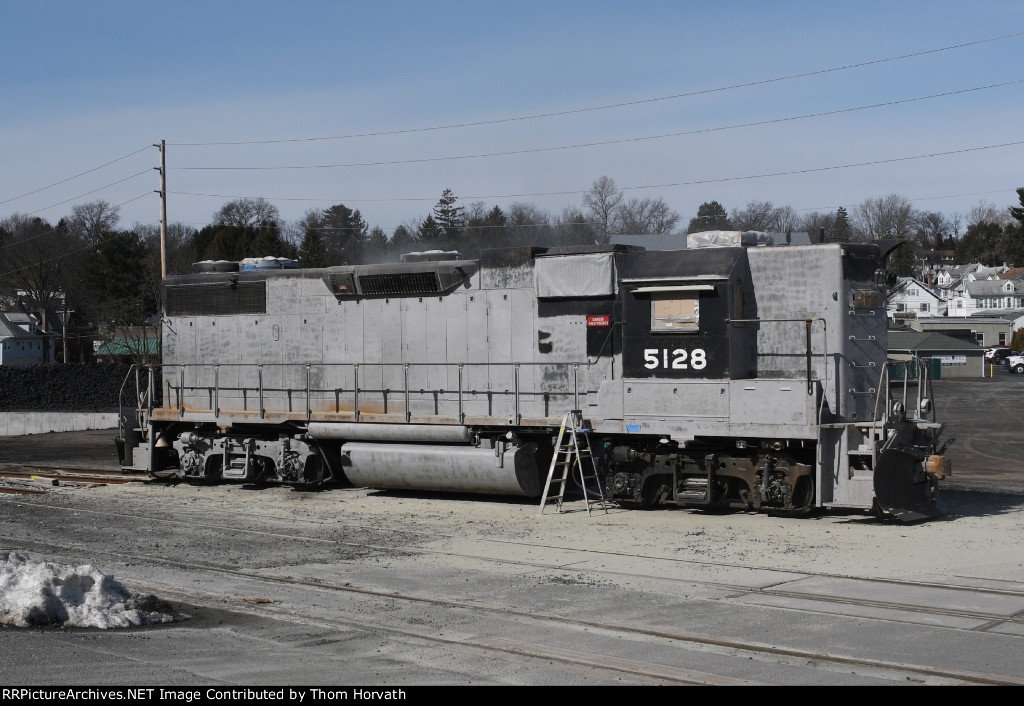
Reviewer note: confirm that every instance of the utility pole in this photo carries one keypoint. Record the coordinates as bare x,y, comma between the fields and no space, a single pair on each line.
64,330
163,207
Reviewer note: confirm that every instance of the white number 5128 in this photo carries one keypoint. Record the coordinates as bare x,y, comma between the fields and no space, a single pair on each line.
674,360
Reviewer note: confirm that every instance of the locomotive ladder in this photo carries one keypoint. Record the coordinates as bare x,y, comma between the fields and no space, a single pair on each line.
572,453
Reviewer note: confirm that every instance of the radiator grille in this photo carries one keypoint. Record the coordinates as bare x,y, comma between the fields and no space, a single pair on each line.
218,299
400,283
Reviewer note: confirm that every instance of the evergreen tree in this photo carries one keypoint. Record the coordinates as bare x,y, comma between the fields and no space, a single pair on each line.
375,245
449,217
224,242
1018,211
980,244
711,215
401,241
313,249
341,227
358,229
113,280
337,217
1017,341
430,231
1011,244
484,230
842,231
269,240
903,260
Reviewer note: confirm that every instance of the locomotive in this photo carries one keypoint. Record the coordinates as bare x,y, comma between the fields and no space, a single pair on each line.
739,375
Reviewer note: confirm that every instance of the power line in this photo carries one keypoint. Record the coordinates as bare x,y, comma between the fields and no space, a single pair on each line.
69,254
87,193
70,178
568,224
603,143
609,106
792,172
919,198
812,170
51,231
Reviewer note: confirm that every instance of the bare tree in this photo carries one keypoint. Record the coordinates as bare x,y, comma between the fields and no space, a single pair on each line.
956,226
89,221
932,229
816,223
756,215
247,213
575,228
602,201
178,256
526,224
891,216
295,231
786,219
985,212
476,211
35,261
646,217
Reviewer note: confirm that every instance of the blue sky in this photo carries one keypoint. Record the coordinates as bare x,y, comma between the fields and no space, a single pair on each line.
88,83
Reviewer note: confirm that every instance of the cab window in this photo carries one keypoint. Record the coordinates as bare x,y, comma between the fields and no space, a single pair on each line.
675,311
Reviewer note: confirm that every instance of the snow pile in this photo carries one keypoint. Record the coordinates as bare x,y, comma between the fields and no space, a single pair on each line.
38,593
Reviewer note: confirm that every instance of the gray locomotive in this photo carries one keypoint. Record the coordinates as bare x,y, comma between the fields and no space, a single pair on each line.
747,376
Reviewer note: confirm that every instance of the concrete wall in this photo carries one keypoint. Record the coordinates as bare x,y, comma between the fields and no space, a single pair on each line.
24,423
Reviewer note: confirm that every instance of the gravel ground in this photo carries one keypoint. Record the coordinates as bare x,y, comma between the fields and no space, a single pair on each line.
207,546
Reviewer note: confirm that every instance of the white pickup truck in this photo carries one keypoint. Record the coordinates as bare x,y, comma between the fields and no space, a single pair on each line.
1015,363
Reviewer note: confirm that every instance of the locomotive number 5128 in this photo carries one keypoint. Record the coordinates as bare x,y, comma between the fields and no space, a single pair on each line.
675,359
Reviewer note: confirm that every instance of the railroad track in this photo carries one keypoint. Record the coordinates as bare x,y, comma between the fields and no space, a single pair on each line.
33,479
272,592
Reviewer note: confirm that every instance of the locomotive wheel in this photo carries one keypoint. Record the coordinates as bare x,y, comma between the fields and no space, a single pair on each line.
653,488
211,475
803,496
315,475
265,471
803,500
592,485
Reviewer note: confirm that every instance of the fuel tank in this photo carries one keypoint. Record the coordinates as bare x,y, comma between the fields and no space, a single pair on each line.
505,469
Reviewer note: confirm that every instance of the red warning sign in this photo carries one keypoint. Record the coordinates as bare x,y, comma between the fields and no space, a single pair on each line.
593,321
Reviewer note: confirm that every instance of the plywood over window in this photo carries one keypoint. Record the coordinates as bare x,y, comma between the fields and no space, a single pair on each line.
675,311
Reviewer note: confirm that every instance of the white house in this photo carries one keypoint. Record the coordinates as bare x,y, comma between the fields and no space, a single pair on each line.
911,299
951,281
986,296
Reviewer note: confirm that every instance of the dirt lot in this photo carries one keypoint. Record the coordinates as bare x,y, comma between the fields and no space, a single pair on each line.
362,586
986,418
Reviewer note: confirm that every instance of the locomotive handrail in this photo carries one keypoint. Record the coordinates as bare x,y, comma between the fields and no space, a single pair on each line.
923,381
358,390
807,325
120,396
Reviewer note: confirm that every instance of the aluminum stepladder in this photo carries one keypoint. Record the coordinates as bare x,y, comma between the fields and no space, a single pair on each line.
572,453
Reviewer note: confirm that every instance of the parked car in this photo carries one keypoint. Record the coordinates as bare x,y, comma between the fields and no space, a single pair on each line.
995,354
999,355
